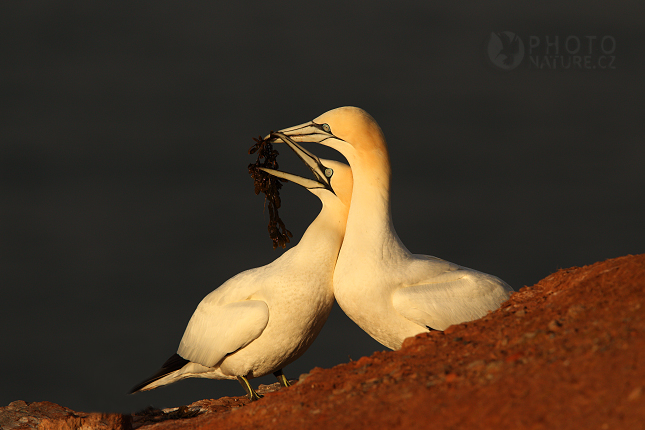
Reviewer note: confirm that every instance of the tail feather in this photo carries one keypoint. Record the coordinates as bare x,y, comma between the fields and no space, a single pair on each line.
171,365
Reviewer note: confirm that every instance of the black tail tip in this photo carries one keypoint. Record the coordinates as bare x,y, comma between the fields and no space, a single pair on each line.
174,363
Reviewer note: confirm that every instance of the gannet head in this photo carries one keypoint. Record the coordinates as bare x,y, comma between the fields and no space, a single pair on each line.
333,176
340,178
349,130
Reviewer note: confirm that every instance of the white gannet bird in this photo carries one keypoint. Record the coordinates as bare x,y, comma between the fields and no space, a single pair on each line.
265,318
389,292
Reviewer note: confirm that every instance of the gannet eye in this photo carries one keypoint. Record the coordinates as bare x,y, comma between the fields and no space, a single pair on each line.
326,128
329,172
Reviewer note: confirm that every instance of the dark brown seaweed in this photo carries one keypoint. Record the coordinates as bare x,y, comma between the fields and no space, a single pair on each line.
270,187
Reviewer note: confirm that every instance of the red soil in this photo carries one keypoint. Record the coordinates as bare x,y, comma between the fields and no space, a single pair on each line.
568,352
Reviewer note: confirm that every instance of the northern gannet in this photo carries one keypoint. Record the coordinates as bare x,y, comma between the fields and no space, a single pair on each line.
265,318
389,292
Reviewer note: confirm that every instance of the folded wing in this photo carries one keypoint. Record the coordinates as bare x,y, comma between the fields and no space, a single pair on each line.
215,331
451,298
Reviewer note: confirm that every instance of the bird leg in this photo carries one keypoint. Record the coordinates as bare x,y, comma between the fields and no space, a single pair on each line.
281,378
249,390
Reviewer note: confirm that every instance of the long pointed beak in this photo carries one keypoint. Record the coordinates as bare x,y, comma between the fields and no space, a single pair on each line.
304,182
307,132
322,173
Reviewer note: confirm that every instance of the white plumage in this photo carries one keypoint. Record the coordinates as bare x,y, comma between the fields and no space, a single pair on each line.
265,318
389,292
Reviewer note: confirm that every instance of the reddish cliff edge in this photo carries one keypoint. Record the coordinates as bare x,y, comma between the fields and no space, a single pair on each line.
568,352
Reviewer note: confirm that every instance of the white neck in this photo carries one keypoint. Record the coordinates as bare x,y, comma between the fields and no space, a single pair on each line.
324,236
369,224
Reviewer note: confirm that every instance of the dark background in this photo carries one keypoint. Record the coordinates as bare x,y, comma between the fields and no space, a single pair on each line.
125,197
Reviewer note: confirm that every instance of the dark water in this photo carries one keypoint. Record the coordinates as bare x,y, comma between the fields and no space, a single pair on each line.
124,195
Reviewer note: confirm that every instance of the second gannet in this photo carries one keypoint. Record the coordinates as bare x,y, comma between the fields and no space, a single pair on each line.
389,292
265,318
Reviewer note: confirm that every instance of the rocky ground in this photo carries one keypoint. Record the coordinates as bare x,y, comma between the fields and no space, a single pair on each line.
566,353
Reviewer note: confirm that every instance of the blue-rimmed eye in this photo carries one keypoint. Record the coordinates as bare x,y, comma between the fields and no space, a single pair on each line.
326,128
329,172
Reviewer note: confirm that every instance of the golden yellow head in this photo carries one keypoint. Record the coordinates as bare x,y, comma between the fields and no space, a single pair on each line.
341,181
354,126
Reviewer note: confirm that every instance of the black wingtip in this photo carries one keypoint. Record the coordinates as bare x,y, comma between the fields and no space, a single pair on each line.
174,363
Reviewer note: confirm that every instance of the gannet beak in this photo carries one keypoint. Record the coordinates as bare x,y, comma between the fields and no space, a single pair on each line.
304,182
322,173
307,132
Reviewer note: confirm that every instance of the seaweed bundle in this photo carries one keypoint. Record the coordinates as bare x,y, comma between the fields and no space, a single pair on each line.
270,186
